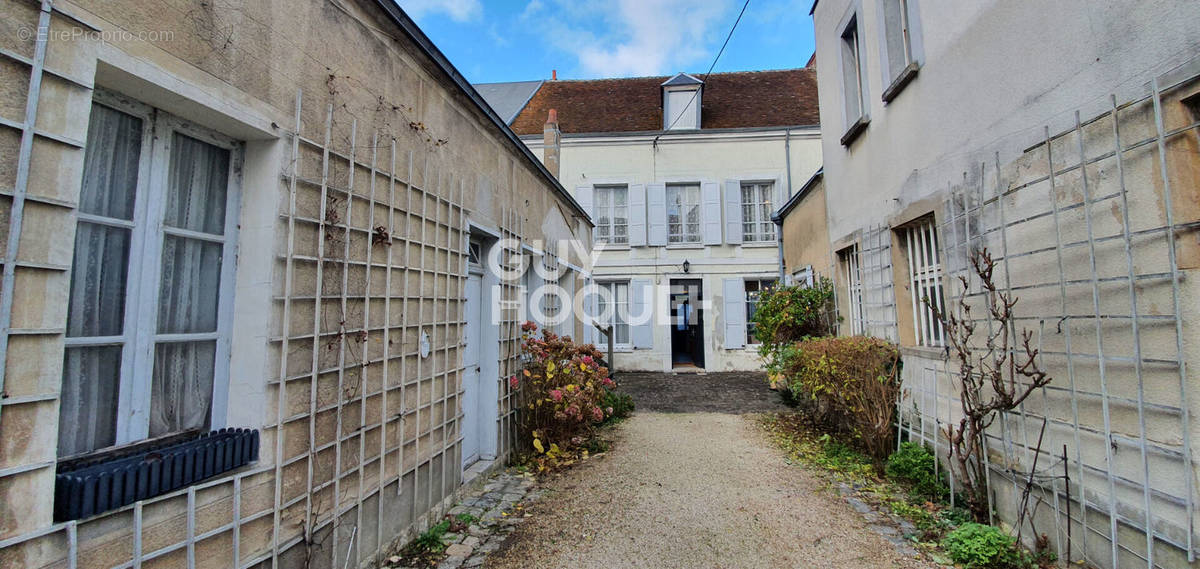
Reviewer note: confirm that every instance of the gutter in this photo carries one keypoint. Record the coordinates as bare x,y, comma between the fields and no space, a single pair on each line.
787,159
410,28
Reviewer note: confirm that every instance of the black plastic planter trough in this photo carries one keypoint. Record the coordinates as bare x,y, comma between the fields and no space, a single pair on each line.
95,487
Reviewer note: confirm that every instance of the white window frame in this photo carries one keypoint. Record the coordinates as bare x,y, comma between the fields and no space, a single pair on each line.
762,192
620,312
854,289
804,277
683,237
762,284
143,281
896,77
609,191
850,49
925,280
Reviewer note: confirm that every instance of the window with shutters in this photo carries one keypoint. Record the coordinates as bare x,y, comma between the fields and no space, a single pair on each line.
611,207
153,267
920,242
756,212
683,213
754,288
848,259
616,299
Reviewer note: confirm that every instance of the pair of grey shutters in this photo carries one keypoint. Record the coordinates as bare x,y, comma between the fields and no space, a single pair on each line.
636,201
648,211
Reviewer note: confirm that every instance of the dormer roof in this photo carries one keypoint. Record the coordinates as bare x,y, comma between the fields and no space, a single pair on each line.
681,79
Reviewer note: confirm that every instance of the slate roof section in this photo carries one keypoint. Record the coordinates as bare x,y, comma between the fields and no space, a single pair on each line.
738,99
507,99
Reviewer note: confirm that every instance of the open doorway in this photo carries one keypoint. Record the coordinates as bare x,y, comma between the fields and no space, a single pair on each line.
687,324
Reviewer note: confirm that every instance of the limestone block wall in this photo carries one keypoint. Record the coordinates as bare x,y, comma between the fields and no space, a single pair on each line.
366,168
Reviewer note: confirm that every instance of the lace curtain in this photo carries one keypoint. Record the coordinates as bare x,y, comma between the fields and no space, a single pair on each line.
181,392
92,374
182,372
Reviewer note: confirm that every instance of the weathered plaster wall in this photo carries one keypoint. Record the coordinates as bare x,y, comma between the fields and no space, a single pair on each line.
239,68
806,236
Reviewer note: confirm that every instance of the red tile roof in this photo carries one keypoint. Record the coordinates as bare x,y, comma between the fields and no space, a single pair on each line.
730,100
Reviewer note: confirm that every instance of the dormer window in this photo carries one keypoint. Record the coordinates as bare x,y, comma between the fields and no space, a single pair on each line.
681,102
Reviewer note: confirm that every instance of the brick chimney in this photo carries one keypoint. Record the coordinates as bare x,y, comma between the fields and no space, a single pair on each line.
552,143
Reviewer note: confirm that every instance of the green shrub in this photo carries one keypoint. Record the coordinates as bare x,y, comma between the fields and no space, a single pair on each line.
787,314
848,384
914,464
621,404
982,546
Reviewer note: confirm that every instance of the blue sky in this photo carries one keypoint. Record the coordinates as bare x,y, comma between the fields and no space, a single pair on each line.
517,40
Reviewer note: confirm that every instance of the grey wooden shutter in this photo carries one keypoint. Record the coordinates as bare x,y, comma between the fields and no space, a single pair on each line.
710,196
733,212
735,313
656,214
583,194
637,215
640,300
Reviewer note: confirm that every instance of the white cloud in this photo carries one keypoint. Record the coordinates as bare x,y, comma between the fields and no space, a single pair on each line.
457,10
636,37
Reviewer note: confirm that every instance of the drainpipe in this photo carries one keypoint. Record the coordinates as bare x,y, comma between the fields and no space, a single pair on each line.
787,158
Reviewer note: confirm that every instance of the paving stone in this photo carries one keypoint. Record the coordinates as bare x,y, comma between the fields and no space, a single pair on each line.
459,550
471,542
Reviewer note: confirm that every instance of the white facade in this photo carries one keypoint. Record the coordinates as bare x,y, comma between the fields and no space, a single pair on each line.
718,162
953,127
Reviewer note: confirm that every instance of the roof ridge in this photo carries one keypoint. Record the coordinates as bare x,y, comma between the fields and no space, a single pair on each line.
668,76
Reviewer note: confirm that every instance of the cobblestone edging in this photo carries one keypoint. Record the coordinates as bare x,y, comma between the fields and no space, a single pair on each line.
499,506
893,528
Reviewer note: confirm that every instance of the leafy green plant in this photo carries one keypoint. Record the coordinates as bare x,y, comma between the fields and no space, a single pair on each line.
981,546
788,314
915,465
466,519
621,404
431,539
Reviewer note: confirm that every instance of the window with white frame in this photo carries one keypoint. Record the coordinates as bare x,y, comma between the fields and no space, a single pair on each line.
803,277
611,205
683,213
920,241
147,317
852,85
618,294
897,37
854,289
756,212
754,289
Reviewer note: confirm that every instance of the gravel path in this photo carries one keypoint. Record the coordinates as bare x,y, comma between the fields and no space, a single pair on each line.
691,490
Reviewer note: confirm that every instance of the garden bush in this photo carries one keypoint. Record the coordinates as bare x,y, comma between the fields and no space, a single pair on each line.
787,314
621,404
915,465
848,384
562,393
980,546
